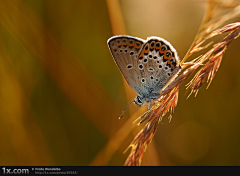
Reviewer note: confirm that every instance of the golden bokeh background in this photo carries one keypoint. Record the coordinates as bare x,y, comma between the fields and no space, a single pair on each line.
61,92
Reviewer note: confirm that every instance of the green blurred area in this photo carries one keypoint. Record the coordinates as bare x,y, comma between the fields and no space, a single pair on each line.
61,92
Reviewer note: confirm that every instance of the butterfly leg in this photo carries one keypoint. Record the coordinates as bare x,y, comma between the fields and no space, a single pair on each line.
149,106
151,103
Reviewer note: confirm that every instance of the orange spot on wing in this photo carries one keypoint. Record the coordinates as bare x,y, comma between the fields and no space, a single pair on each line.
146,51
119,45
166,57
163,52
158,48
137,46
170,63
152,47
131,45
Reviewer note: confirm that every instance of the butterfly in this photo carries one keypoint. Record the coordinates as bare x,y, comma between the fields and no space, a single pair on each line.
147,65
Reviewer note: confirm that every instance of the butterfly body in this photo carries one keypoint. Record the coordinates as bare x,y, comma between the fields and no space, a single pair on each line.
147,65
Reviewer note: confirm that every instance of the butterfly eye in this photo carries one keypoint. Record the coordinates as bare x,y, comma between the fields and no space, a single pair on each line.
139,101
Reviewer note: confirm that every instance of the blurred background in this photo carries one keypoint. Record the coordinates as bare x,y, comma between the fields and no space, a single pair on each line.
61,93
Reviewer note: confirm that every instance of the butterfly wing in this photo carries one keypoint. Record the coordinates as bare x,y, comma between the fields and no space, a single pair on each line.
125,51
146,65
157,64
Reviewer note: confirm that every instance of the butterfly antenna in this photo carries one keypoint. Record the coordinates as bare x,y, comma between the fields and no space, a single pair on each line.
126,109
